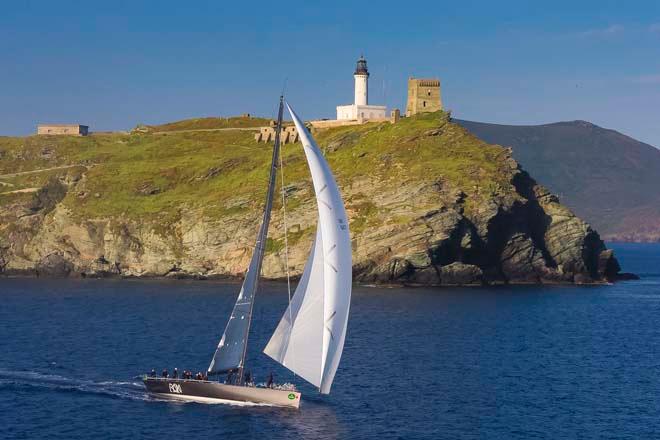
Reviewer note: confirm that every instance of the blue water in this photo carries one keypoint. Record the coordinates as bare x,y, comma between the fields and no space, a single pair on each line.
493,363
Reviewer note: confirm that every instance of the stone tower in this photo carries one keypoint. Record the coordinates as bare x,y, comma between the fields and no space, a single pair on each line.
423,96
361,76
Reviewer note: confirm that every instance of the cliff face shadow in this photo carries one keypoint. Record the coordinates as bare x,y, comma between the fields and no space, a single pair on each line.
535,218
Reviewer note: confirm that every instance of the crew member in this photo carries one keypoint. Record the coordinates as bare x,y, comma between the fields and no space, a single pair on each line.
269,382
175,373
153,373
165,373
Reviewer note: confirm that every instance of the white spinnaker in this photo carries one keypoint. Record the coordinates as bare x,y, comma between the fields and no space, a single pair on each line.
330,277
298,339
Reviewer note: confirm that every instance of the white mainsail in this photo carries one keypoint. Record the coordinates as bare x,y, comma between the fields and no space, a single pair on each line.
309,339
230,354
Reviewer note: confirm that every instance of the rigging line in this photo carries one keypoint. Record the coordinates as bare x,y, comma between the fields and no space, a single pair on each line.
286,238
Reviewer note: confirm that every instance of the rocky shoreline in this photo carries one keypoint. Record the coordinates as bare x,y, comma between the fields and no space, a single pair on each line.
534,240
624,276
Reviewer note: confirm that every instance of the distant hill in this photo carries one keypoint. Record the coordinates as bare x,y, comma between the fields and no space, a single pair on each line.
607,178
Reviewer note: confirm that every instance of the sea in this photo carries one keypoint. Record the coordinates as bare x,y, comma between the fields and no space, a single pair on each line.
507,362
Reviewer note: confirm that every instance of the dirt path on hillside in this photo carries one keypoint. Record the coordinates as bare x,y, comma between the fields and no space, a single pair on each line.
24,190
192,130
40,170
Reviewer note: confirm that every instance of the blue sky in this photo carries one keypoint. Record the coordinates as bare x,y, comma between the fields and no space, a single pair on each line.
115,64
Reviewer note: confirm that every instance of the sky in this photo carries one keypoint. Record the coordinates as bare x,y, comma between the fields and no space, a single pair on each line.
115,64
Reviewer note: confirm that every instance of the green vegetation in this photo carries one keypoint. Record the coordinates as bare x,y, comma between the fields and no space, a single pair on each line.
209,124
425,148
273,245
156,177
364,211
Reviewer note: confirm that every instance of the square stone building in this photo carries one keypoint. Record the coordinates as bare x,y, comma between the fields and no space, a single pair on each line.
63,129
423,96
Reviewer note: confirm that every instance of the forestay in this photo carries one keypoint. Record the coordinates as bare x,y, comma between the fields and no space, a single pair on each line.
230,354
309,339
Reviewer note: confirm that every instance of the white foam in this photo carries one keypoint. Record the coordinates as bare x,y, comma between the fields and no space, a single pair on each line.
208,400
119,389
130,390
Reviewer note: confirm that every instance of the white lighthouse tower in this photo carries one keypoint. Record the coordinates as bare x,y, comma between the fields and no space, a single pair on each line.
361,76
361,110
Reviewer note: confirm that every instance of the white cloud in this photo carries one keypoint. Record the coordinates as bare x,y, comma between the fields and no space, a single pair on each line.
604,32
655,28
647,79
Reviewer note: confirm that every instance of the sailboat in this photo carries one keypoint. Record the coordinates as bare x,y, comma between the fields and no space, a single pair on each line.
309,338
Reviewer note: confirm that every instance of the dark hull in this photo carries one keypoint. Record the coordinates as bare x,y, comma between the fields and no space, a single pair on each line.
214,392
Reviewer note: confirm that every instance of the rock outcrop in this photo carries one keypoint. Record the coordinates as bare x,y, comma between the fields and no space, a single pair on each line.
531,240
421,229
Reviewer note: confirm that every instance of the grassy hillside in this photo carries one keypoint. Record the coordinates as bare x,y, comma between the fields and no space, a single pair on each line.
427,202
210,123
153,177
609,179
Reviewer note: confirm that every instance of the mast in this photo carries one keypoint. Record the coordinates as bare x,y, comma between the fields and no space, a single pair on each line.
260,247
232,348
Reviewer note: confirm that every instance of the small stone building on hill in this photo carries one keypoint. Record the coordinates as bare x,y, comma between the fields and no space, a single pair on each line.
423,96
63,129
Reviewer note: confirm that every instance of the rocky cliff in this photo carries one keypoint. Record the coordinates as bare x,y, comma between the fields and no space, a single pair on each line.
428,203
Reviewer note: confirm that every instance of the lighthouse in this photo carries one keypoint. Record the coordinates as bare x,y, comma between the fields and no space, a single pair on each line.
360,110
361,76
